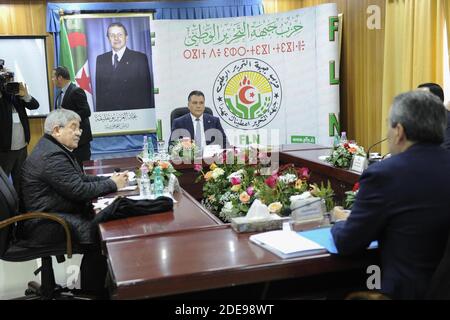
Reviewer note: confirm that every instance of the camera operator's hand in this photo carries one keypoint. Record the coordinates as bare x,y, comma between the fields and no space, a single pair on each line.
23,90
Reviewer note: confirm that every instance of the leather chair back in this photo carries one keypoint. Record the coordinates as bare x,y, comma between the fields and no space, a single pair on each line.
178,112
9,204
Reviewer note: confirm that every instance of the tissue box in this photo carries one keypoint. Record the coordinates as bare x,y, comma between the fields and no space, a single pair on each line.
243,224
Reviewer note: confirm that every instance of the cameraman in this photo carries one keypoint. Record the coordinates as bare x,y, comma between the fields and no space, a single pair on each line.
15,128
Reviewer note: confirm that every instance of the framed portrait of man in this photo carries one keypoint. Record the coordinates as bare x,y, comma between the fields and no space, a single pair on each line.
111,59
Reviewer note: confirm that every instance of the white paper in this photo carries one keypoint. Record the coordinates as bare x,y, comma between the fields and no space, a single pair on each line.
285,243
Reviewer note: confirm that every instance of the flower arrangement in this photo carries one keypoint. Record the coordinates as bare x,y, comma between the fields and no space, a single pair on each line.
351,196
230,189
184,148
343,153
166,167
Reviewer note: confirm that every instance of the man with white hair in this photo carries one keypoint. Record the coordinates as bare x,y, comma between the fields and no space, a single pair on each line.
54,182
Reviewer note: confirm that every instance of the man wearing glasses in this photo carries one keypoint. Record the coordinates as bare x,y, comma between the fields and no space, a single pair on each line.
122,76
53,182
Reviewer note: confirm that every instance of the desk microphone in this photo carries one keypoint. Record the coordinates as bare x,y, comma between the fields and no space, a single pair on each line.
369,160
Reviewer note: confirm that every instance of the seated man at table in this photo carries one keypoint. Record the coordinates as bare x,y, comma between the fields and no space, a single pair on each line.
54,182
204,128
403,201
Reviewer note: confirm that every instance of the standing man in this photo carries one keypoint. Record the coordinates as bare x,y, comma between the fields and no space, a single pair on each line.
15,129
122,77
74,98
436,89
403,201
202,127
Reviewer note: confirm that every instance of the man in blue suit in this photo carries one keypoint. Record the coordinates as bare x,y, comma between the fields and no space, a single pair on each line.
203,128
403,201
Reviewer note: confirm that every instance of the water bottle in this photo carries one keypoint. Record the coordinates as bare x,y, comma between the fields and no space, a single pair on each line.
145,149
145,188
150,149
336,140
158,182
344,137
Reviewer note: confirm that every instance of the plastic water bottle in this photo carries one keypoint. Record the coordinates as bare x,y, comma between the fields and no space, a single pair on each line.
150,149
344,137
336,140
145,149
145,188
158,182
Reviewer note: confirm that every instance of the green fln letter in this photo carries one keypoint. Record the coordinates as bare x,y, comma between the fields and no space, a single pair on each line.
334,27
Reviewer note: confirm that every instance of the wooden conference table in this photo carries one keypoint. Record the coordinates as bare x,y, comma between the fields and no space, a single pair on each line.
189,250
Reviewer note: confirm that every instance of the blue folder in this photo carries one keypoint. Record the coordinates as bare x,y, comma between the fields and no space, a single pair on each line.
323,237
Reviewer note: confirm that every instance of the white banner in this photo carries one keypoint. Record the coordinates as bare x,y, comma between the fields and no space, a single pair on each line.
271,78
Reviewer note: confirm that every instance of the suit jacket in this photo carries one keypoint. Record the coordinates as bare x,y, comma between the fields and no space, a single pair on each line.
403,203
440,284
6,103
209,122
54,182
127,87
75,100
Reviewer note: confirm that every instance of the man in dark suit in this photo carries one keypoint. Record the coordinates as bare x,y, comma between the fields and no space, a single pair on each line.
203,128
122,77
436,89
74,98
403,201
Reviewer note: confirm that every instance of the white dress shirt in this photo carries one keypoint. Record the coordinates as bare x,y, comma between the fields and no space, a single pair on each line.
119,54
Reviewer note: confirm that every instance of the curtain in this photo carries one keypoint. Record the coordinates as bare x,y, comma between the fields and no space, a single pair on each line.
446,5
413,49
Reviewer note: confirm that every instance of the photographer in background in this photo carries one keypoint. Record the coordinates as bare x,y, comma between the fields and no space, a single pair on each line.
15,128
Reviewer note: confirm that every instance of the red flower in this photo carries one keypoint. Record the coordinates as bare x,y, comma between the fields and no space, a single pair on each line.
346,145
356,187
198,167
235,180
303,173
271,181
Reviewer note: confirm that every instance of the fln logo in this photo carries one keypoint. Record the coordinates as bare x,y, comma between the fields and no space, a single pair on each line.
247,94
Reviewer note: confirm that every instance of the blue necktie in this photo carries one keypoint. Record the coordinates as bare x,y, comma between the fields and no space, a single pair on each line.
58,100
116,61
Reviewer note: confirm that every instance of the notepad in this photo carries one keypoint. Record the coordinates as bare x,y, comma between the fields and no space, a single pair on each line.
287,244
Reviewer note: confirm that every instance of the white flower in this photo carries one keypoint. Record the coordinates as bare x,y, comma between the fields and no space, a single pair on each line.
217,173
228,207
287,178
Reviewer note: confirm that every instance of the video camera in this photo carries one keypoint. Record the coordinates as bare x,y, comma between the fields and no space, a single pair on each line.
6,80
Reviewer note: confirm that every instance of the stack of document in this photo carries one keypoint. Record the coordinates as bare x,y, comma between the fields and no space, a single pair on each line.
290,244
287,244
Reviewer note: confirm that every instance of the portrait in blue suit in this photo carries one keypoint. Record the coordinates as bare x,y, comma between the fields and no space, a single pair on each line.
403,201
212,131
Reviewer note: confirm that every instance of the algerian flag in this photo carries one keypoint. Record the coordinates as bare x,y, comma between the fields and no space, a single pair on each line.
73,54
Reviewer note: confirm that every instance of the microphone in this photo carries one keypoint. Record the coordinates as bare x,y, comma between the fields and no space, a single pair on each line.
373,160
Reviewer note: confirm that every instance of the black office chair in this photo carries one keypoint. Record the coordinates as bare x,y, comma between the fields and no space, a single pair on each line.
178,112
14,250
